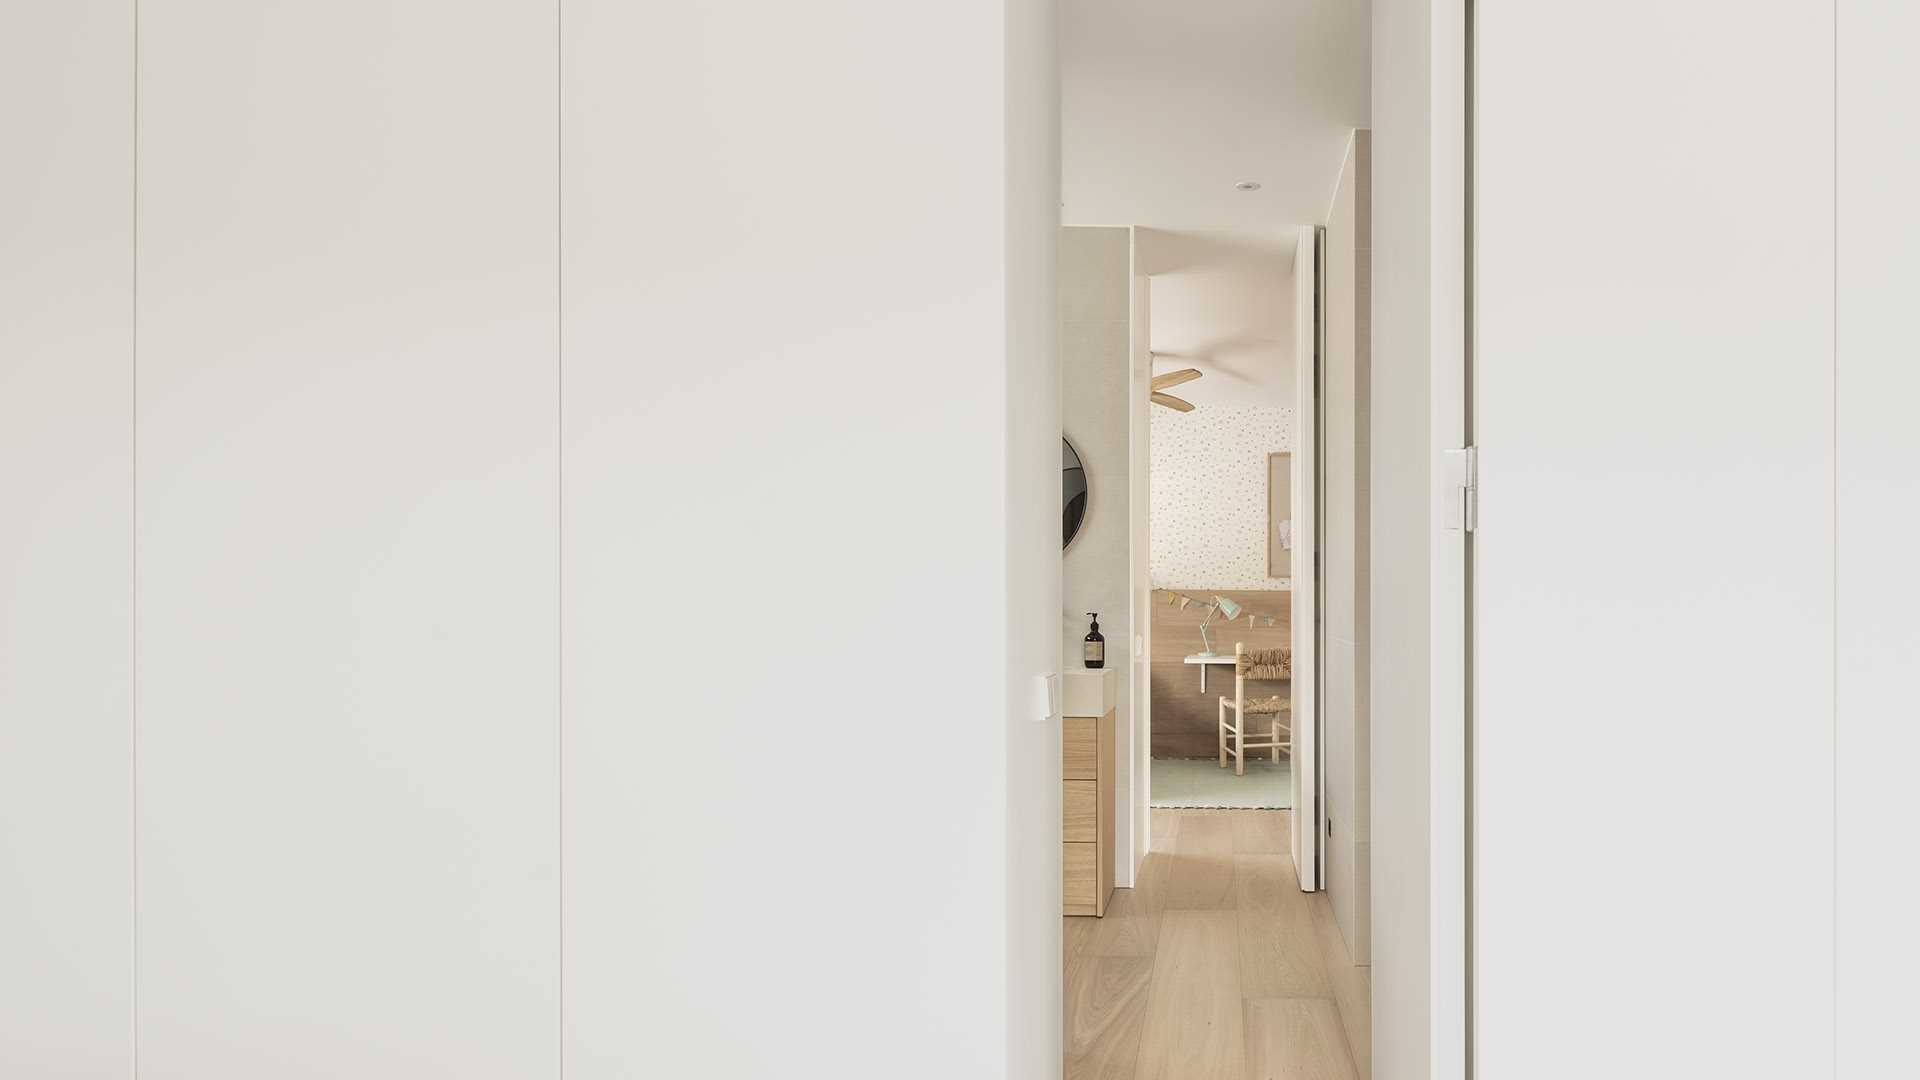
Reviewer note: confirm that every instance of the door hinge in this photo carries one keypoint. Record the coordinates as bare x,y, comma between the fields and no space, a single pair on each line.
1462,510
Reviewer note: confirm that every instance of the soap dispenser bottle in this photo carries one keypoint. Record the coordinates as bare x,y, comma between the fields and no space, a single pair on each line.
1094,649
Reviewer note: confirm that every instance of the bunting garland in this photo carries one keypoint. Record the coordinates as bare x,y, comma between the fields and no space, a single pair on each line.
1182,601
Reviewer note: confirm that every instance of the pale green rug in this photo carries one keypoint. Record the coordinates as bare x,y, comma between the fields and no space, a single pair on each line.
1204,784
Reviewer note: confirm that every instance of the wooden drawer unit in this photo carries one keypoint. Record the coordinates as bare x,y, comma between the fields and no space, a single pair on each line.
1078,869
1080,748
1082,802
1086,792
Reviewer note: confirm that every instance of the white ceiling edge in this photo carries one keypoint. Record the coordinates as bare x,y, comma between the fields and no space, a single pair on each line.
1166,105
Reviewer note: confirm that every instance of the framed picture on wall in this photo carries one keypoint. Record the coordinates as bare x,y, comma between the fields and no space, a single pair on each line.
1280,515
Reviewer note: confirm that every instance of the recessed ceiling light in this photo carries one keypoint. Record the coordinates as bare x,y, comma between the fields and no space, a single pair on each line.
1247,185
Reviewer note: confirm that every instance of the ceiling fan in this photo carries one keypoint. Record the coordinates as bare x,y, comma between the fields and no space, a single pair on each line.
1172,379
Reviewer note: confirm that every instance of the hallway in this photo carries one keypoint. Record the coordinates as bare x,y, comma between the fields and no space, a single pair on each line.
1216,967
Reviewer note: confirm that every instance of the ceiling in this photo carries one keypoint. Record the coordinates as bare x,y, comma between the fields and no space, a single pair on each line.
1222,303
1166,104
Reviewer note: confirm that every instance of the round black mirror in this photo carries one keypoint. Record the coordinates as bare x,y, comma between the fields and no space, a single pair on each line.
1073,493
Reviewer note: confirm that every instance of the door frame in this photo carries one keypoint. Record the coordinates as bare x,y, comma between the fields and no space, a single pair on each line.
1439,278
1450,552
1139,548
1305,845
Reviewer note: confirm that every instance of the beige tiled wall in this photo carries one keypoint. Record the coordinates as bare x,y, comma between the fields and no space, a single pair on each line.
1096,286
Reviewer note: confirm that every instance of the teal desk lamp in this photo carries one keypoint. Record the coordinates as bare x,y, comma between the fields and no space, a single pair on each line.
1220,606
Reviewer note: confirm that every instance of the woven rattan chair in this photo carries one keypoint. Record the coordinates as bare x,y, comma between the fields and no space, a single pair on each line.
1256,665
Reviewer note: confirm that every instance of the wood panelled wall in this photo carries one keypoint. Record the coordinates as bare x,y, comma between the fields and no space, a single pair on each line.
1185,720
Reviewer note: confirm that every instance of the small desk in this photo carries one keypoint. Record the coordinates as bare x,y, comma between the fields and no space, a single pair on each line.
1206,661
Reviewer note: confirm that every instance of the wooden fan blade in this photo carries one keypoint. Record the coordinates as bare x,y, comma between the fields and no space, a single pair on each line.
1175,378
1172,402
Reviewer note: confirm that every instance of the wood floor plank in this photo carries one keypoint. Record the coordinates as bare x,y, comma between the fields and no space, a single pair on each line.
1214,965
1262,832
1105,1005
1351,991
1279,950
1201,874
1149,891
1194,1029
1265,885
1296,1039
1076,933
1165,826
1131,926
1280,960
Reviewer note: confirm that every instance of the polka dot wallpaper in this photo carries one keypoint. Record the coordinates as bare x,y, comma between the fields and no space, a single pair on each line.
1208,495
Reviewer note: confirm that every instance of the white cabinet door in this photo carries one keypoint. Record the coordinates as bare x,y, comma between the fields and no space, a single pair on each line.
348,540
66,539
1654,559
1878,506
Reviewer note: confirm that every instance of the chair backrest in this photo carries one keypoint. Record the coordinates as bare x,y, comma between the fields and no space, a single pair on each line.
1261,663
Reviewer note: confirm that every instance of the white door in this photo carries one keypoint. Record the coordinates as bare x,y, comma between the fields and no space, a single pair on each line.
1305,689
1653,563
1139,563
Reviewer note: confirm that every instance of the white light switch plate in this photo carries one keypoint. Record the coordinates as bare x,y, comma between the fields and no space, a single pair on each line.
1046,702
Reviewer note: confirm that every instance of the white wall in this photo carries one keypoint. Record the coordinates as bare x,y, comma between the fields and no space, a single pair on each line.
347,545
1877,580
1096,406
1877,459
413,801
871,872
1706,211
415,736
66,539
1029,797
1405,77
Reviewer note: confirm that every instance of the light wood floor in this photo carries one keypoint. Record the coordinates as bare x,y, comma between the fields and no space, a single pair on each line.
1216,966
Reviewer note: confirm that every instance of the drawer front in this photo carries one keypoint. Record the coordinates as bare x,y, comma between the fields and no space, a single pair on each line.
1080,819
1080,748
1078,869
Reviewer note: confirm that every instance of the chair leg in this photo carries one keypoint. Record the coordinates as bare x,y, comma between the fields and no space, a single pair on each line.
1221,731
1274,738
1240,746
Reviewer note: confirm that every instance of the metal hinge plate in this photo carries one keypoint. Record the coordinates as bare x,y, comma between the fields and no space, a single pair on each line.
1462,496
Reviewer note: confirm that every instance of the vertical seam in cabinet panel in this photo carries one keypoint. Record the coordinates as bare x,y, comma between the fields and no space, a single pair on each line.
560,545
1469,653
133,574
1834,568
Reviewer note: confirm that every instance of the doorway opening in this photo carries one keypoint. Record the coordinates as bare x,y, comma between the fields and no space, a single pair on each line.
1214,287
1220,517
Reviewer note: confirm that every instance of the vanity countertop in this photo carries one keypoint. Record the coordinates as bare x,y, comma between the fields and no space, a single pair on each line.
1089,692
